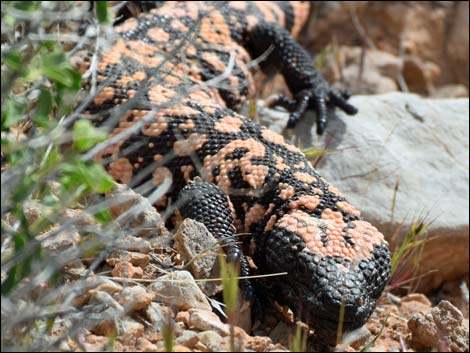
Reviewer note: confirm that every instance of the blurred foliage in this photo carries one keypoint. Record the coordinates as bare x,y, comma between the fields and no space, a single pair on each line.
42,140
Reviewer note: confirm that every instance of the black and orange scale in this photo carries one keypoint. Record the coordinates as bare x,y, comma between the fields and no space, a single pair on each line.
182,70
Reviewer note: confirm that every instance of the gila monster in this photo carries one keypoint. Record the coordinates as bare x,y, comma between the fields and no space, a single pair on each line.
178,74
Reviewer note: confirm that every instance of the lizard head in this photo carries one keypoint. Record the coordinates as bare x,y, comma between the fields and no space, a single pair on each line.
325,289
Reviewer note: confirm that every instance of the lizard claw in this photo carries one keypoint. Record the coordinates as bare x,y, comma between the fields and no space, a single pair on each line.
318,99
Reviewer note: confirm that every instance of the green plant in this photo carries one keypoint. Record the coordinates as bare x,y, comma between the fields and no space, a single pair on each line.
229,273
46,164
299,342
410,248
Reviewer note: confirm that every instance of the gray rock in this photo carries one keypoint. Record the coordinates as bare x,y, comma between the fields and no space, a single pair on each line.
199,249
135,212
420,146
203,320
188,339
135,298
179,288
442,327
365,71
213,341
159,315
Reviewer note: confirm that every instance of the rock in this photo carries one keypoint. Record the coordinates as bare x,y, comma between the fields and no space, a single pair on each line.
207,320
355,339
58,241
80,218
131,243
420,76
135,258
188,339
213,341
388,328
198,247
163,241
455,292
201,347
258,344
179,288
126,270
401,140
130,328
135,212
457,45
183,316
450,91
144,345
108,287
414,303
363,71
135,298
431,34
416,298
95,343
158,315
103,314
83,291
442,328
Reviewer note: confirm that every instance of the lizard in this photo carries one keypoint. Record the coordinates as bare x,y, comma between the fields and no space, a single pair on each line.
178,74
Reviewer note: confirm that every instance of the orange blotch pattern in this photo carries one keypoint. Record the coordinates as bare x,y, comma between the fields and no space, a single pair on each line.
160,94
269,9
161,174
254,215
121,170
287,192
331,225
228,124
346,207
310,202
254,175
157,127
158,34
305,177
106,94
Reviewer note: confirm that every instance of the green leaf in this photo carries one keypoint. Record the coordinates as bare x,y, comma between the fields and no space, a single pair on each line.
59,74
57,68
102,12
23,267
24,189
13,60
44,106
103,216
10,282
85,135
26,5
13,112
89,176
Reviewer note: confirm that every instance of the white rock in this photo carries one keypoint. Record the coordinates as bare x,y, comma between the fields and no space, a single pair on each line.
207,320
179,288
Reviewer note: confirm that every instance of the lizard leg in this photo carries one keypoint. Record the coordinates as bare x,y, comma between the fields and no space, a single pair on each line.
308,87
208,204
